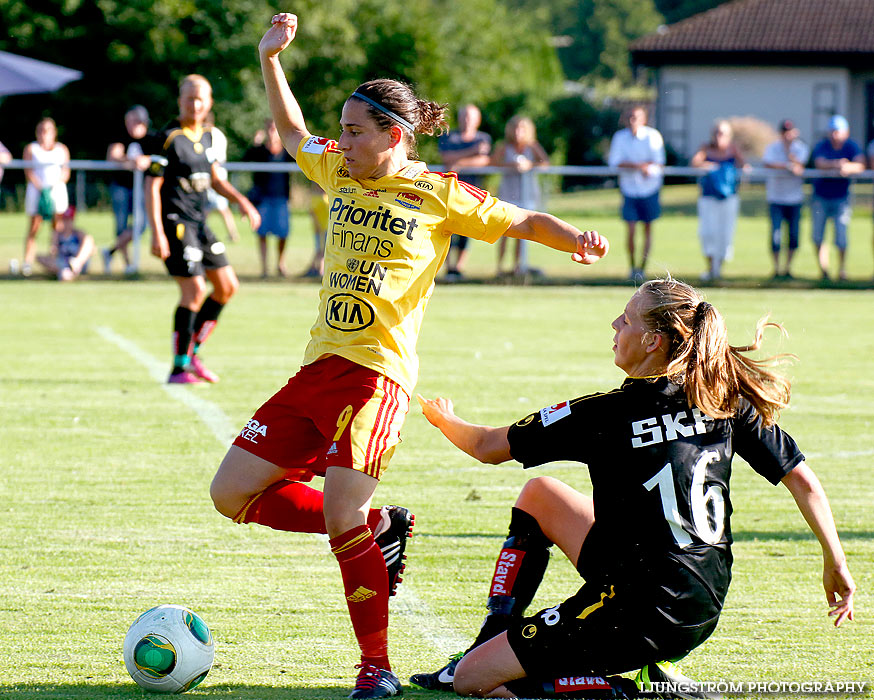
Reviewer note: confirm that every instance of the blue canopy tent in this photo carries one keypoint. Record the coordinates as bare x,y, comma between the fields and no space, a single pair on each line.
20,75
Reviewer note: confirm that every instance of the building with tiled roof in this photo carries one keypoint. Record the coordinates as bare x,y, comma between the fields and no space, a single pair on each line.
774,59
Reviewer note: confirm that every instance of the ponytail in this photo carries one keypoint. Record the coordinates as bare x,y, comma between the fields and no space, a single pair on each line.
713,373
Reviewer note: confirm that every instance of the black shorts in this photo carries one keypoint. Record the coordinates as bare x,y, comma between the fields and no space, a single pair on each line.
193,248
603,629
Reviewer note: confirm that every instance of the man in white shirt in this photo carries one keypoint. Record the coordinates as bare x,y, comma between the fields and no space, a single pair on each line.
639,152
784,191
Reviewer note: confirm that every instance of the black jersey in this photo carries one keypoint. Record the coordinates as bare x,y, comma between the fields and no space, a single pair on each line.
184,159
660,476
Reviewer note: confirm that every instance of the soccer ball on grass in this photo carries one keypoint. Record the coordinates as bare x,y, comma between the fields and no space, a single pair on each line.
168,649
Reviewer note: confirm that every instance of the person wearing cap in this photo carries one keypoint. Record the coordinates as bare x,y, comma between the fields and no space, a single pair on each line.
132,149
70,251
840,156
784,192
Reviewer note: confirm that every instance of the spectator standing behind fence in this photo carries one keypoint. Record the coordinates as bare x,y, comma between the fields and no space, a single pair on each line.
133,150
518,154
639,151
784,192
5,157
718,204
831,195
70,250
270,193
464,147
46,195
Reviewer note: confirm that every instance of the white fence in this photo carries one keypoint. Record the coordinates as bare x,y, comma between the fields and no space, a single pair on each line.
81,167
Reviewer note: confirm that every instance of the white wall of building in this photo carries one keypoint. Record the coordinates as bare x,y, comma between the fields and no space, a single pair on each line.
691,98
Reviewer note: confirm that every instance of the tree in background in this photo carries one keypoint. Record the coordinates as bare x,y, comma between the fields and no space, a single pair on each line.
592,36
135,51
675,10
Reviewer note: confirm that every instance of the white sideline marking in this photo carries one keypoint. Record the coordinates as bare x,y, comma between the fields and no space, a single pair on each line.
209,413
406,603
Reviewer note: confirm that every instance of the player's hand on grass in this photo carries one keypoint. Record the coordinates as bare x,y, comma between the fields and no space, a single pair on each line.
281,34
591,247
436,410
160,247
839,589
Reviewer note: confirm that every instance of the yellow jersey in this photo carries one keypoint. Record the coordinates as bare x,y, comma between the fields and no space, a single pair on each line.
386,242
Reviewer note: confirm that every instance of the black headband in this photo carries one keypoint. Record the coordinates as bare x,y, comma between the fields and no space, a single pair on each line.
385,110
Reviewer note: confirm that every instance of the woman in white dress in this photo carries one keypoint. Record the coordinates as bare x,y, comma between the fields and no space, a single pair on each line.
519,153
46,194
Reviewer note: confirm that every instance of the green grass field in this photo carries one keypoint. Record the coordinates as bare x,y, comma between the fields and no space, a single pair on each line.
105,471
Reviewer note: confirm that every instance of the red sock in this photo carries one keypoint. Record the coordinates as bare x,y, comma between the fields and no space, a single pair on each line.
365,582
292,507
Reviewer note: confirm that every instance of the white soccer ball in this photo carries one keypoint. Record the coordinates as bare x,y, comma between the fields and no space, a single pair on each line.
168,649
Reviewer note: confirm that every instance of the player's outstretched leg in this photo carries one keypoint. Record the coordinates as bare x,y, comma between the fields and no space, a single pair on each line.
391,536
519,570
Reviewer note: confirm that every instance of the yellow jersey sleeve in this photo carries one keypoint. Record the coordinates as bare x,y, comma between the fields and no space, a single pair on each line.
475,213
318,159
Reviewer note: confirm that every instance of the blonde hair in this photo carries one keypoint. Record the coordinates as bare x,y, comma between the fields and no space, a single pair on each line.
194,79
510,130
713,373
717,125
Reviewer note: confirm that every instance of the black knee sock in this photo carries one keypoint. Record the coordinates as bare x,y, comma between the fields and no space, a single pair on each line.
183,330
518,573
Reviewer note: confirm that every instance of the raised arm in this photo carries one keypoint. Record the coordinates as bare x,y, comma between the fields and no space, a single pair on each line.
488,445
283,106
813,504
586,246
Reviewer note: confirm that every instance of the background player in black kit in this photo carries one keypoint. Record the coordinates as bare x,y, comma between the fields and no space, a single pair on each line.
653,541
176,193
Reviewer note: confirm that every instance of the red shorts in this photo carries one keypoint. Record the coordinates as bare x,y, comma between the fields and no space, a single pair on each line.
332,413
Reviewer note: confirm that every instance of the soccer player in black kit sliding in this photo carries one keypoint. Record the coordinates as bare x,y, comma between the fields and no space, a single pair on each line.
653,541
182,170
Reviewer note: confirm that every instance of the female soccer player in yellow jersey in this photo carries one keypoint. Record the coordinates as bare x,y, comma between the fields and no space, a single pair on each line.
390,224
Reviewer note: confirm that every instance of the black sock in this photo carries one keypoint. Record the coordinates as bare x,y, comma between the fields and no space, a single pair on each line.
518,573
183,330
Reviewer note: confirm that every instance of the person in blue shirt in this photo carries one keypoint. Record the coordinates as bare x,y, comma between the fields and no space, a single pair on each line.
718,205
841,156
